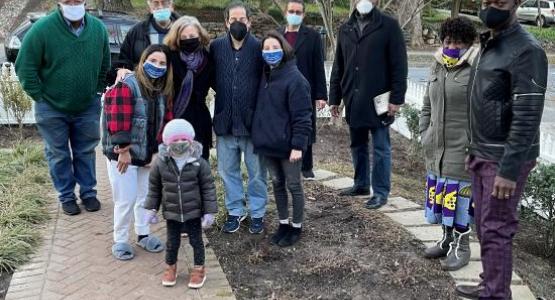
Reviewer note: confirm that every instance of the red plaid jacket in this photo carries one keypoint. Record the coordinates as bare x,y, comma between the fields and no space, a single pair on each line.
118,108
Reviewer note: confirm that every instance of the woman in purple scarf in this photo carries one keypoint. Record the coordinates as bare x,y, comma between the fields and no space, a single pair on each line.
188,41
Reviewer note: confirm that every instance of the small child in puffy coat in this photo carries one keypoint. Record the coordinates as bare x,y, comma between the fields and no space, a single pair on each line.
181,183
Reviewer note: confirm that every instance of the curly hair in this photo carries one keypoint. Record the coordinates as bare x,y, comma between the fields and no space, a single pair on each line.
458,29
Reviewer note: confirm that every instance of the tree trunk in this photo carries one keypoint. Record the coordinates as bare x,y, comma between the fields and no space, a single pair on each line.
114,5
456,8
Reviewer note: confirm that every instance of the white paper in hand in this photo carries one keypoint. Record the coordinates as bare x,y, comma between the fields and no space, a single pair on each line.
381,103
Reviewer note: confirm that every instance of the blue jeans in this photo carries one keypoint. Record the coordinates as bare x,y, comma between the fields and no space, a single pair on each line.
229,149
381,170
70,140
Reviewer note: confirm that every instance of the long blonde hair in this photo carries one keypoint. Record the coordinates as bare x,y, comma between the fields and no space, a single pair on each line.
174,36
163,85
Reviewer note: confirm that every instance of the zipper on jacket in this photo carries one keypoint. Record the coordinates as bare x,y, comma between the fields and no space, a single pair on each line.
178,173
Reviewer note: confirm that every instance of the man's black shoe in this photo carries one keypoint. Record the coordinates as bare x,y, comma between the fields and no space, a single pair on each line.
469,291
71,208
376,202
91,204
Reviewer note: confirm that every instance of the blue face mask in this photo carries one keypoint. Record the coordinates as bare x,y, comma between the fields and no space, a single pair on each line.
153,71
272,57
294,20
162,14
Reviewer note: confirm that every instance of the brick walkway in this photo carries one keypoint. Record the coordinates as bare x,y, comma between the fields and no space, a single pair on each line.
75,262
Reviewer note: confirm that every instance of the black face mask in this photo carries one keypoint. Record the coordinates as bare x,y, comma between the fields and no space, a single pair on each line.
238,30
189,45
493,17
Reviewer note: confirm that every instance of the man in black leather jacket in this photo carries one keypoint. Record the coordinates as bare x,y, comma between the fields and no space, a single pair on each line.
507,92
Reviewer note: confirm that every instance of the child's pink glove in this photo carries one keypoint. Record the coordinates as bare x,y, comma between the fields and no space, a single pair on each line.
151,216
207,220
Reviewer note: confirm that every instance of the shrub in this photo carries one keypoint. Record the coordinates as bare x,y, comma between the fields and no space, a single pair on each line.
540,198
16,101
412,117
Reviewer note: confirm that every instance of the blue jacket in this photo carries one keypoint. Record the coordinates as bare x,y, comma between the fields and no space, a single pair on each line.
235,79
283,116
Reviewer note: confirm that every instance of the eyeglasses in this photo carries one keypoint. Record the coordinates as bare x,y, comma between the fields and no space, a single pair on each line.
295,12
160,3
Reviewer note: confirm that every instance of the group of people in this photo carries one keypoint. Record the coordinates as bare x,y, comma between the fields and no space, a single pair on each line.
479,123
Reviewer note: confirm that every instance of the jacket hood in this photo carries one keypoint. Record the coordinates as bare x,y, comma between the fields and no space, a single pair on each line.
469,56
193,155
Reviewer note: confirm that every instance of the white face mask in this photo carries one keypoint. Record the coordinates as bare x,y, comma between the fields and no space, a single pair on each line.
73,12
364,7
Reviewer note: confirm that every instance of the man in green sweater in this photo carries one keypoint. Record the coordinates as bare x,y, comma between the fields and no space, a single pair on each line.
62,65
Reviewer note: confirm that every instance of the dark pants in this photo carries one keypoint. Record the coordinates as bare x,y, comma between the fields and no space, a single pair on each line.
381,170
69,142
496,225
308,163
284,173
194,229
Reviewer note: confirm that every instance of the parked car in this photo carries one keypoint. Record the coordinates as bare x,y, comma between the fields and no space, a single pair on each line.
118,24
528,12
470,7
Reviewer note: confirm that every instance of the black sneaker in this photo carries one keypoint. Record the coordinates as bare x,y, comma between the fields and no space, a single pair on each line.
233,223
308,175
376,202
71,208
291,238
281,233
257,226
355,191
91,204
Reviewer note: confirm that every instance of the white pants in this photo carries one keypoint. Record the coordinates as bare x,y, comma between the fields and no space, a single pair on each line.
129,191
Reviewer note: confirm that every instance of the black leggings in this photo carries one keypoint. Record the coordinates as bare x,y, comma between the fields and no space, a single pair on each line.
194,229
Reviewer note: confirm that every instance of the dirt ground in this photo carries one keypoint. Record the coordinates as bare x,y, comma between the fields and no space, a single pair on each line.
529,263
346,252
9,135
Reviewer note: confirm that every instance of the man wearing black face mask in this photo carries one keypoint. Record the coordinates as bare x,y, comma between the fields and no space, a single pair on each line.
237,61
507,93
151,31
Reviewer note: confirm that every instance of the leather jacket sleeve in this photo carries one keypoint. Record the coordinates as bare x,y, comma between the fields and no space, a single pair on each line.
528,82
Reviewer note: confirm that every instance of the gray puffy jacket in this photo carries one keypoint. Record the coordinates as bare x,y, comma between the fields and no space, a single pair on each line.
185,194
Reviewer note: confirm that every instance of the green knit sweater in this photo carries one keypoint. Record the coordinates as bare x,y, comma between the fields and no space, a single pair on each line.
66,70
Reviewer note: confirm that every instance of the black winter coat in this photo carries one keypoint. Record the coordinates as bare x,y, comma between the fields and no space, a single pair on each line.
282,118
197,112
366,65
135,42
184,195
310,61
507,85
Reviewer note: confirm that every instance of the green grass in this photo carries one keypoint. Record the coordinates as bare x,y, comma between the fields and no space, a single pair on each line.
433,16
23,184
543,34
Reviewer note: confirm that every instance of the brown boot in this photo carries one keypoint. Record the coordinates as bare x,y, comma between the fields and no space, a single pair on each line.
170,276
198,276
469,291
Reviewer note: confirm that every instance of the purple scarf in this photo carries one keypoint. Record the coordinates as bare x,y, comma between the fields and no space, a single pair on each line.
195,62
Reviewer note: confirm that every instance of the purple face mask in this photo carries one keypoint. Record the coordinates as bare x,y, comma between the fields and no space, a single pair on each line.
452,53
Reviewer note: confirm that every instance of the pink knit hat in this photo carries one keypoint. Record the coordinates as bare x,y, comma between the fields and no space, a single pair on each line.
178,129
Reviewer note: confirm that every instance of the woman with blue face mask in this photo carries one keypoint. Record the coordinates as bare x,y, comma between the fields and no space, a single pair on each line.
443,127
281,129
135,111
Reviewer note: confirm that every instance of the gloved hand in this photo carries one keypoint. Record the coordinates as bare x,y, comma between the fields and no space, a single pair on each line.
207,220
151,216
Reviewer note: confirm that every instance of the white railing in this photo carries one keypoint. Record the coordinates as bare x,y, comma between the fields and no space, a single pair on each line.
414,96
